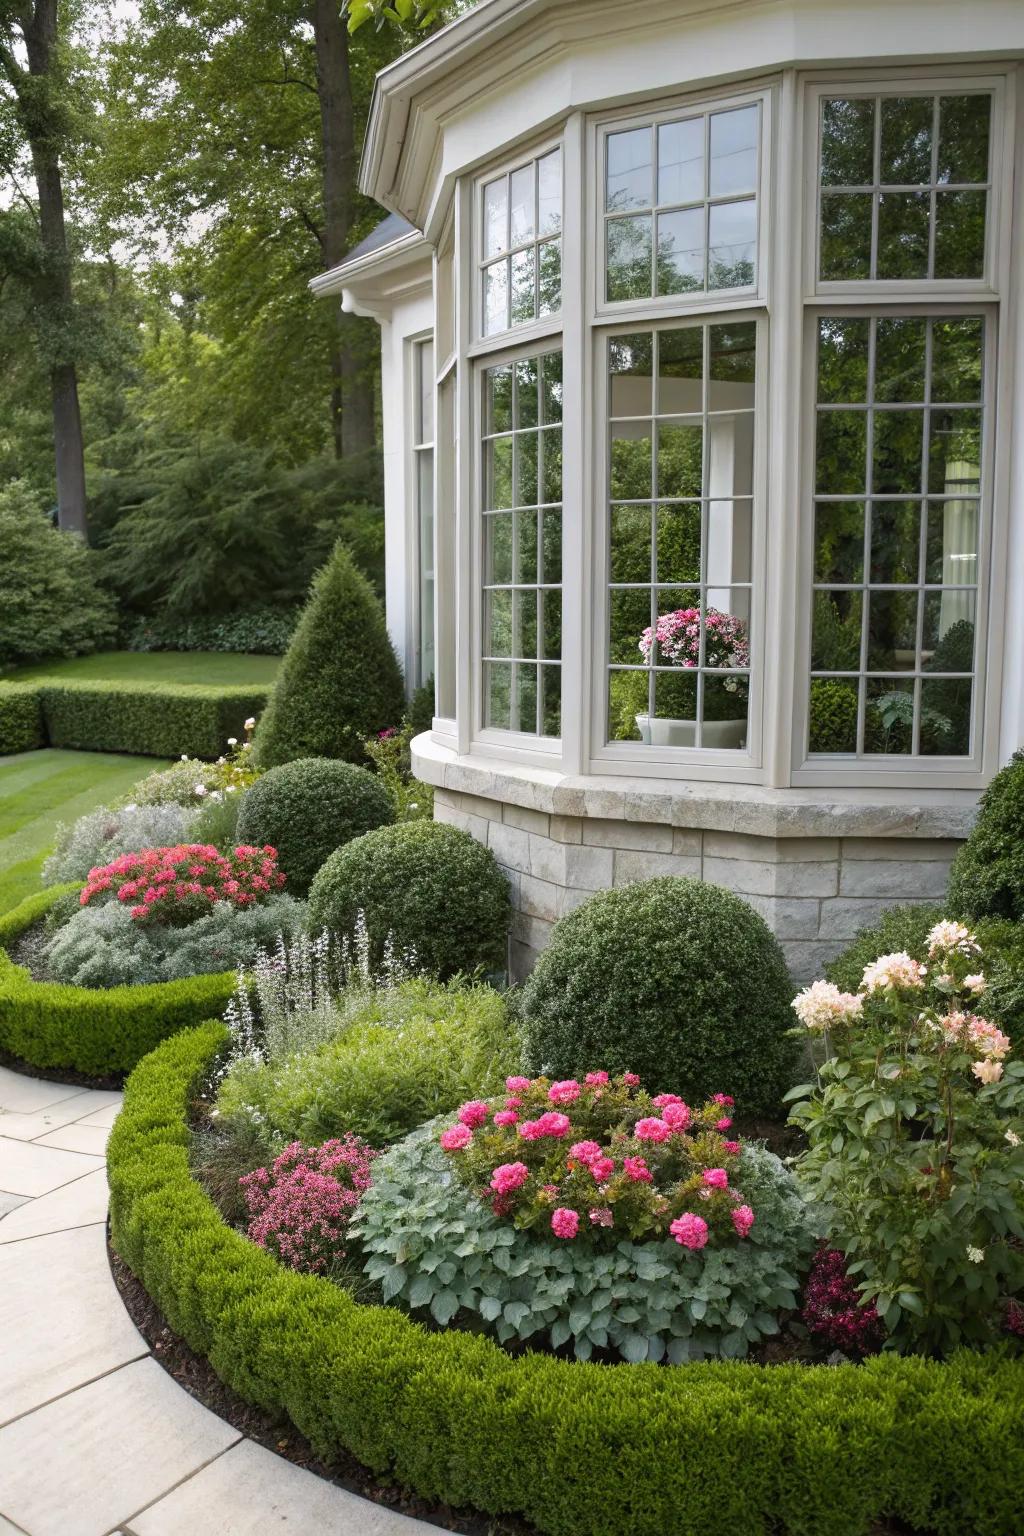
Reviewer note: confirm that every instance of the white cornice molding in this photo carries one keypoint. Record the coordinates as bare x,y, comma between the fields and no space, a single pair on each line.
499,42
380,278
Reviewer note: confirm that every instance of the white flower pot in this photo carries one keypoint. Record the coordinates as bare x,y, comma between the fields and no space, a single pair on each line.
683,733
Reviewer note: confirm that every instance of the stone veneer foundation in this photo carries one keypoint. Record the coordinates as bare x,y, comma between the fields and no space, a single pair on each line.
817,867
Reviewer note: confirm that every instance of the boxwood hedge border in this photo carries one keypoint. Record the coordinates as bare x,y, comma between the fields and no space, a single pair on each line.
147,719
93,1030
578,1449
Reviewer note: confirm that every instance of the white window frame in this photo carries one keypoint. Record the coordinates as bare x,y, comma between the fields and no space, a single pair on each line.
935,298
477,262
912,82
653,115
415,355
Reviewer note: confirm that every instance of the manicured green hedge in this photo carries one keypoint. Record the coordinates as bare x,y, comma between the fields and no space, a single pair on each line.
96,1031
21,718
580,1450
163,720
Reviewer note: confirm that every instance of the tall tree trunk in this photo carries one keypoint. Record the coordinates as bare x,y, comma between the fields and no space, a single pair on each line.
53,285
352,395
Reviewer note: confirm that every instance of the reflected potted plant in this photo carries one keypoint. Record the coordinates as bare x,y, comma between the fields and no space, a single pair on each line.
675,639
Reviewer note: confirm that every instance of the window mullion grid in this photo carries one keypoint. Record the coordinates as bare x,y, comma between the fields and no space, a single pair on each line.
865,598
876,176
926,442
933,196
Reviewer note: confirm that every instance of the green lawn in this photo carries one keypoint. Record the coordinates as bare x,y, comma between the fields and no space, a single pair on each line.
157,667
38,789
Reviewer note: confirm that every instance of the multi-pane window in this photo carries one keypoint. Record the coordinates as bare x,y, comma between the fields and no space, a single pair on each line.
522,246
680,467
898,456
522,545
680,201
904,186
423,498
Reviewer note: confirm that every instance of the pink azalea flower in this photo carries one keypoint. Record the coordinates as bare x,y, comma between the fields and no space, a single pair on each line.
676,1116
630,1079
585,1151
689,1230
565,1092
723,1124
517,1084
506,1117
666,1098
601,1169
716,1178
509,1176
651,1129
456,1137
636,1169
475,1113
725,1099
596,1079
732,1147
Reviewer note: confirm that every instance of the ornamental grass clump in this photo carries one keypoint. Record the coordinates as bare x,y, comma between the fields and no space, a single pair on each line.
600,1160
300,1208
916,1151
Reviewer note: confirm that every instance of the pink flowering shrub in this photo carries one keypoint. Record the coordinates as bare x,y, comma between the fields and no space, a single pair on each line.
609,1163
177,885
833,1311
915,1145
676,639
301,1206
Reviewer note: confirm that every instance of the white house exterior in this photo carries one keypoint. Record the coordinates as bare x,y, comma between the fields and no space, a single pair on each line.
703,380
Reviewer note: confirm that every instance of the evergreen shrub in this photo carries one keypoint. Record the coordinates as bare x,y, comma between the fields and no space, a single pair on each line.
987,878
674,979
21,718
308,808
432,888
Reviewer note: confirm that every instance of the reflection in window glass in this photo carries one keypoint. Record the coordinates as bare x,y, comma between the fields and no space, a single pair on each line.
521,244
896,527
522,546
423,495
904,187
681,450
681,205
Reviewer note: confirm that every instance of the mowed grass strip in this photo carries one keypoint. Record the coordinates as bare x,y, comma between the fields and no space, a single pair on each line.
156,667
40,789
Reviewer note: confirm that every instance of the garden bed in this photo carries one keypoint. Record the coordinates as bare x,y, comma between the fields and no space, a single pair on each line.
96,1033
576,1449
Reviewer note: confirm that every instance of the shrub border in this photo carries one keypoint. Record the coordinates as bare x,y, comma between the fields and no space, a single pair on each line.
578,1449
93,1030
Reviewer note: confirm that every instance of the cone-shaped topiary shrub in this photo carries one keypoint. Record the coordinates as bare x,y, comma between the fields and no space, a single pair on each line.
307,808
677,980
340,680
429,887
987,878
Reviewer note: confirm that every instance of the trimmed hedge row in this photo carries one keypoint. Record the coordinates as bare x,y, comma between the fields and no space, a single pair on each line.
92,1030
165,720
580,1450
21,718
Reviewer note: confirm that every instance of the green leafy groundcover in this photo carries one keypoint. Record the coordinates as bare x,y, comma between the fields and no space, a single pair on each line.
92,1030
578,1449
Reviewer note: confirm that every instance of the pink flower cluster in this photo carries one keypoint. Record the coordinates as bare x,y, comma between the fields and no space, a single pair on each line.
176,885
646,1170
832,1311
301,1206
677,637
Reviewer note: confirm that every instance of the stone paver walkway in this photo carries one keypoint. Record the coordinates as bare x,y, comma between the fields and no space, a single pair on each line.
96,1439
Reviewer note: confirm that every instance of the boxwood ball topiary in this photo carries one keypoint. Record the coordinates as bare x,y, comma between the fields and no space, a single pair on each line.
987,878
679,981
307,809
431,887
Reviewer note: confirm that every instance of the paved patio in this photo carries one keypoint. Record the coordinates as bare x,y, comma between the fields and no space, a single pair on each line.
95,1438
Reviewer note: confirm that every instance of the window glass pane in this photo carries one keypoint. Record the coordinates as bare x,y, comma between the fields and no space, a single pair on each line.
681,161
946,717
847,142
629,258
521,198
843,360
425,391
839,541
845,237
951,553
733,152
680,567
835,633
902,235
549,193
897,452
681,245
629,183
960,234
963,138
889,716
905,156
956,360
496,297
549,277
841,452
833,714
925,215
524,285
900,358
895,541
954,457
732,235
522,564
496,217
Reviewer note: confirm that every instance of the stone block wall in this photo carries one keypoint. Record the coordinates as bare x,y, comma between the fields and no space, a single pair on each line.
814,892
